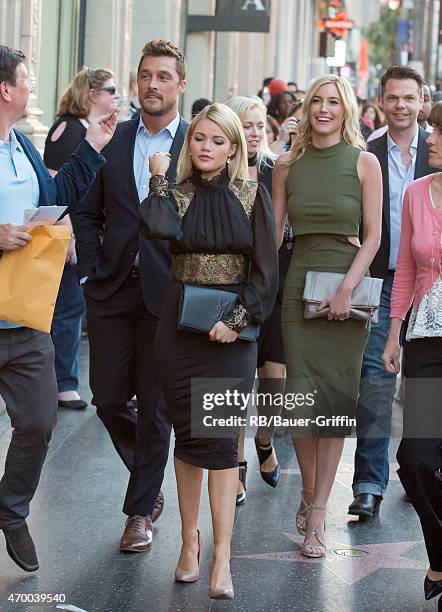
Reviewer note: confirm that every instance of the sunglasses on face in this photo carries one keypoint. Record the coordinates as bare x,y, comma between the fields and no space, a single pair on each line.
111,89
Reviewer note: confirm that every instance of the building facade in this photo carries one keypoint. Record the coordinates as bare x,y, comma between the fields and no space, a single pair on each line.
59,36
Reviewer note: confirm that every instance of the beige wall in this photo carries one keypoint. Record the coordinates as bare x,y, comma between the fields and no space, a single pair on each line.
243,59
227,59
217,62
49,59
200,55
221,61
116,30
154,19
10,22
108,38
288,51
296,41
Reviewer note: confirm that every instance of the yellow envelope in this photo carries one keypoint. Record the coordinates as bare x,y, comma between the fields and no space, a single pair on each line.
30,277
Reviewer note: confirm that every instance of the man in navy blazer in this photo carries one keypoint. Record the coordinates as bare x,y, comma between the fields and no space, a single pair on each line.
123,275
27,376
403,155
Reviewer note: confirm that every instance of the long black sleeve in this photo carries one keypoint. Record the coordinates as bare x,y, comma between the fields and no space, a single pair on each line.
76,176
258,297
158,212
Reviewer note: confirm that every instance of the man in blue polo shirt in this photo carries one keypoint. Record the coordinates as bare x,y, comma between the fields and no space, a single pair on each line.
27,377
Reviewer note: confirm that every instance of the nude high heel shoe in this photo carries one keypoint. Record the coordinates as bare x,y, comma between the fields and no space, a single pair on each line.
217,592
186,576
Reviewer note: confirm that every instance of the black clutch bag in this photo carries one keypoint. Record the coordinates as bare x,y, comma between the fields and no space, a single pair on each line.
202,307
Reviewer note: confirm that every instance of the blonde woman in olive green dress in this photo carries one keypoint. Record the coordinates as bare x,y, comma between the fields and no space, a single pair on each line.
327,185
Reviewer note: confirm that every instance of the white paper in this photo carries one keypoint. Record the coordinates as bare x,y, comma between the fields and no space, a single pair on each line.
44,215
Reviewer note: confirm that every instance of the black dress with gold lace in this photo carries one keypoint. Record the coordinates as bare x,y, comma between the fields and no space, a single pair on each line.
220,235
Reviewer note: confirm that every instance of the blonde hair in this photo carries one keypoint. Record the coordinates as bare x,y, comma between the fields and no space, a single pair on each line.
242,105
76,100
229,123
350,131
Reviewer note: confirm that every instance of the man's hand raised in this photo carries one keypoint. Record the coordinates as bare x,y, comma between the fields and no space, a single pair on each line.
101,130
13,237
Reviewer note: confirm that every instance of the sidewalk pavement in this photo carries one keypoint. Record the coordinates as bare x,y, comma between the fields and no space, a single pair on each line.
76,521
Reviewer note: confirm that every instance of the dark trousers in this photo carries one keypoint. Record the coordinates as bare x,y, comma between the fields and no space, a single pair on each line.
420,451
66,329
28,386
121,333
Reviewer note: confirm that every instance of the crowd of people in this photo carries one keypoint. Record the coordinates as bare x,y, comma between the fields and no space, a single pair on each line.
192,247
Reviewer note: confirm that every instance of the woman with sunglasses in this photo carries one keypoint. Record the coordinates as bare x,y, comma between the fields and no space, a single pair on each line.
90,94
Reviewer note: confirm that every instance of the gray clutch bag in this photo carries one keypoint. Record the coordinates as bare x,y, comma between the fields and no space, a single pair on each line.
365,299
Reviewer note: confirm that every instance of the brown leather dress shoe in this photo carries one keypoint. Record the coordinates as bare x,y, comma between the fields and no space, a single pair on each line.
137,536
158,507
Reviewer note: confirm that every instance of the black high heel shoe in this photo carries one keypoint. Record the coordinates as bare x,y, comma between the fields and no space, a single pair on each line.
432,588
241,497
264,452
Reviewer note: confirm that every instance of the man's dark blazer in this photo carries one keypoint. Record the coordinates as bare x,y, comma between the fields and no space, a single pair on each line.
71,182
379,146
107,226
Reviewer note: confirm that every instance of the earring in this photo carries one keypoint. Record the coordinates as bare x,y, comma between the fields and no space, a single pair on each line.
228,160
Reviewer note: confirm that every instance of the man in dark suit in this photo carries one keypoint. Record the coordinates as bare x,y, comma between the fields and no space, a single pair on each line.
27,376
403,155
123,276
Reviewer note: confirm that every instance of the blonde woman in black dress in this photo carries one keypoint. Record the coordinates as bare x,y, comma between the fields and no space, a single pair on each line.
221,231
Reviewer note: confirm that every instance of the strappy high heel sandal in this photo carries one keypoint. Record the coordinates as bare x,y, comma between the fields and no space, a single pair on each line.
302,514
264,452
241,497
309,549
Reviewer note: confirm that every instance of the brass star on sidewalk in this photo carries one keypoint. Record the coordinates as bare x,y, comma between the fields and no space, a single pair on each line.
350,563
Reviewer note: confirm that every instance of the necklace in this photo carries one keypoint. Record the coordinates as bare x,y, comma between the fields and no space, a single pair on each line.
252,160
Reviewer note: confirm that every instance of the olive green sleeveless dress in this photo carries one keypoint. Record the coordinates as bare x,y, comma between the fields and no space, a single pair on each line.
323,357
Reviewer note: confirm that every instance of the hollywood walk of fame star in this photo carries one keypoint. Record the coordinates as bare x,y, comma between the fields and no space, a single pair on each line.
350,563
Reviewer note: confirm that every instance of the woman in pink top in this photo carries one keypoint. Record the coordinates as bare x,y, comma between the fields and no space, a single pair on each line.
418,284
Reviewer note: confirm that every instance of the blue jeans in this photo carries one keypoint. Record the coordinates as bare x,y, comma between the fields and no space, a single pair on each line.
66,329
373,415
